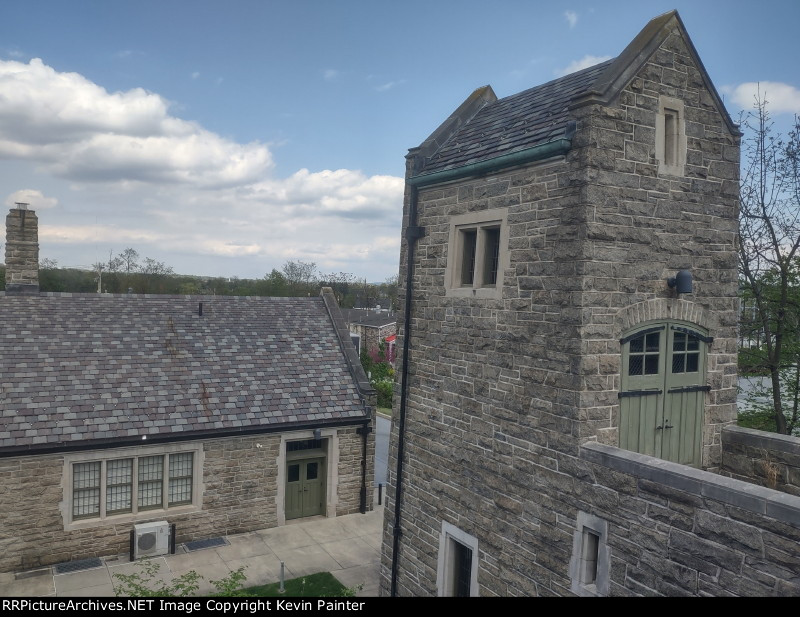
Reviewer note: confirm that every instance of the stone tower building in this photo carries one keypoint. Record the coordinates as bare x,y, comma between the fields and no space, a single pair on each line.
568,346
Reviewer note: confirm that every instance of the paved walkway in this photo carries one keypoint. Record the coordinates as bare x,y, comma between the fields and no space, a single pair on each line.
347,546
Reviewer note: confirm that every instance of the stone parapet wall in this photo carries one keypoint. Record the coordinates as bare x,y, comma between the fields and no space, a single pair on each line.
675,530
767,459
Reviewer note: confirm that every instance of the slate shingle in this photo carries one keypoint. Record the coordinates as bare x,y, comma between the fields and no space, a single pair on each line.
517,122
107,363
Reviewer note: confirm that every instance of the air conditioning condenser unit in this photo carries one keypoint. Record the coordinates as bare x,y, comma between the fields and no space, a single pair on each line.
150,539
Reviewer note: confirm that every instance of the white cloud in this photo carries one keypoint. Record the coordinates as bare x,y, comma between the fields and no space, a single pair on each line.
127,172
583,63
571,17
34,198
389,85
77,130
195,74
781,98
330,74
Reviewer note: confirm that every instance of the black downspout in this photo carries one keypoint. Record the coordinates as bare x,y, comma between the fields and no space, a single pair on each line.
413,233
364,431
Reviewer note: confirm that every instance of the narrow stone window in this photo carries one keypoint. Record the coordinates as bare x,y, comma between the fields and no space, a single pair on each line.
670,137
588,570
469,244
491,256
590,565
477,254
457,571
670,146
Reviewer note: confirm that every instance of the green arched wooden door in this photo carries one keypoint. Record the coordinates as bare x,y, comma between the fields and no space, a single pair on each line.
663,391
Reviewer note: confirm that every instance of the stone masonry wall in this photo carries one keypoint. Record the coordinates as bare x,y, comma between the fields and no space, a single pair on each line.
644,226
674,530
239,495
766,459
350,471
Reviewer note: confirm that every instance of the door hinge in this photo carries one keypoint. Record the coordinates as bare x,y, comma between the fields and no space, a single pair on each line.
631,393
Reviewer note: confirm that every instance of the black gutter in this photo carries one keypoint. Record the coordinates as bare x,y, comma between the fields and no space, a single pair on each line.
364,431
121,442
413,233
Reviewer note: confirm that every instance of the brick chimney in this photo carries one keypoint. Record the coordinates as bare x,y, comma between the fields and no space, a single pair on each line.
22,251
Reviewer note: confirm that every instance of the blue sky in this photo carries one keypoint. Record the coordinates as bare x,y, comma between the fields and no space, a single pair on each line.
225,138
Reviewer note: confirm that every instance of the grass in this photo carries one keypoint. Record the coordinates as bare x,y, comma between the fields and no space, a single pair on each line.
386,411
320,585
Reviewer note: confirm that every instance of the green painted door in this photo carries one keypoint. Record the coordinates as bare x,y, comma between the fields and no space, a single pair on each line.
305,488
662,395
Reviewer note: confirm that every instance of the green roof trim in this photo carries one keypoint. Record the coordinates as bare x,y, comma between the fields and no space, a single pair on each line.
543,151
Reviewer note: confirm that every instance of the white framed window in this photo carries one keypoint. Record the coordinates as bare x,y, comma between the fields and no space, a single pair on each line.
590,565
670,137
477,254
457,571
130,483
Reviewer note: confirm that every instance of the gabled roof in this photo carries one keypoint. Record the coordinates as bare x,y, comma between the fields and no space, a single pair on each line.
485,129
366,317
83,369
517,122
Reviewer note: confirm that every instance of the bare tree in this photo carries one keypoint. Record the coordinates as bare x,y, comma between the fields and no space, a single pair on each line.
299,275
769,240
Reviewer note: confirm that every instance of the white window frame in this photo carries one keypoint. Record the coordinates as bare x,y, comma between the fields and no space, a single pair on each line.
103,456
450,535
478,222
671,144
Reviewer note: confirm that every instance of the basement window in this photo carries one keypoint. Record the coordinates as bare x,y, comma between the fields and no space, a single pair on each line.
457,571
477,254
591,560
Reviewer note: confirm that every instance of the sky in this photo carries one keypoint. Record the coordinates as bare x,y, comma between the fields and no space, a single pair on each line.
227,138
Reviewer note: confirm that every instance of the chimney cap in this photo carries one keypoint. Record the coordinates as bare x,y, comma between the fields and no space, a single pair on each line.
21,205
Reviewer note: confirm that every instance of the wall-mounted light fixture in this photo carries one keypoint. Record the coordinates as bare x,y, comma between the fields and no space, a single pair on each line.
317,434
682,282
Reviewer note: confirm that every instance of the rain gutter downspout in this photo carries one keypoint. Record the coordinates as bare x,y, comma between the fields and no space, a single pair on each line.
413,233
558,147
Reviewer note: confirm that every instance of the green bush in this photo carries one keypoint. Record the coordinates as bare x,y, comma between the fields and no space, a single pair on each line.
384,390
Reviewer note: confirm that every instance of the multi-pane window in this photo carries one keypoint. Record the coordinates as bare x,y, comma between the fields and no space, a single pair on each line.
462,572
107,487
685,353
643,354
119,485
180,479
86,490
151,482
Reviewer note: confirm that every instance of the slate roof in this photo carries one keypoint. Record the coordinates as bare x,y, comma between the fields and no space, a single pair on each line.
373,319
78,368
517,122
